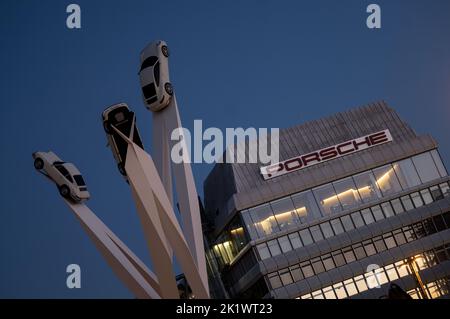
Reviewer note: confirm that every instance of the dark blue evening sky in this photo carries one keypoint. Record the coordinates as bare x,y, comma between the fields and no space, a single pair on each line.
233,63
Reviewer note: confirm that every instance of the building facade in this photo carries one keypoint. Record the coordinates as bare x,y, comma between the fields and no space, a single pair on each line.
358,202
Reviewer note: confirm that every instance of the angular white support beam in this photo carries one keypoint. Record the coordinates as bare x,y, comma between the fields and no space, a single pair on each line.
164,122
125,264
169,222
158,217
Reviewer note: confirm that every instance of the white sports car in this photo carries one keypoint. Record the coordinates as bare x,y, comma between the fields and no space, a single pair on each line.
66,176
154,76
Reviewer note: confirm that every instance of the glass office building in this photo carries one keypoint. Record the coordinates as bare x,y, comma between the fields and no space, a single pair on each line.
345,228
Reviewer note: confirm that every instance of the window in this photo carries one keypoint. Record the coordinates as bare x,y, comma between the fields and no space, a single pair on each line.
387,180
425,167
402,269
436,193
359,251
307,269
406,173
156,73
295,240
263,251
284,244
328,200
79,180
379,244
350,287
284,212
397,206
409,233
371,278
338,258
317,294
347,222
326,230
150,61
446,217
440,254
417,200
273,247
285,277
399,237
249,224
306,237
426,195
438,162
445,189
317,265
381,276
328,262
419,230
439,223
387,209
367,216
367,186
316,233
407,203
274,280
306,206
347,193
377,212
369,248
149,90
329,293
349,255
360,282
340,291
428,226
357,219
64,172
337,226
296,273
264,220
391,272
389,241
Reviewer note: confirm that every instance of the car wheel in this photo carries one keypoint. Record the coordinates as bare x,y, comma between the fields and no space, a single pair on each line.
38,164
64,191
165,51
122,169
169,88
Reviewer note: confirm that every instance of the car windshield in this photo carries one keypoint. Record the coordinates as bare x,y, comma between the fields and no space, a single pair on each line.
150,61
79,180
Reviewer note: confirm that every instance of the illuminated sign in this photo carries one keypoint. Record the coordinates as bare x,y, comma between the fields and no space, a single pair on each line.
326,154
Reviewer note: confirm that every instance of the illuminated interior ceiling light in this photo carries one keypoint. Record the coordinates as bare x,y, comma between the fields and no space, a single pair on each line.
266,222
237,230
381,180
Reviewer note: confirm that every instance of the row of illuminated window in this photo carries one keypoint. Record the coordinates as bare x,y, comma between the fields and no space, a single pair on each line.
358,251
349,222
343,194
381,275
435,289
